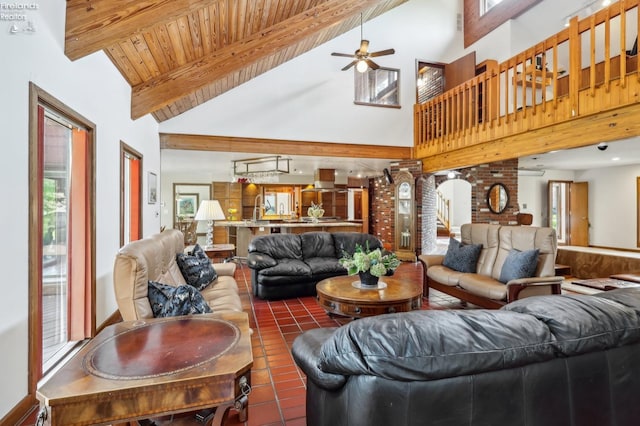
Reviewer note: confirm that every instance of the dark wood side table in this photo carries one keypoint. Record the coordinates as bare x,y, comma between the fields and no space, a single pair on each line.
220,251
339,296
146,368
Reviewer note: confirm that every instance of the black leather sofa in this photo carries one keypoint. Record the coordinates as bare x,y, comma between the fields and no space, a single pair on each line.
542,361
290,265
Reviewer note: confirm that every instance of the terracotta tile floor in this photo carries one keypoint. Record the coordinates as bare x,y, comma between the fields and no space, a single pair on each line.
278,394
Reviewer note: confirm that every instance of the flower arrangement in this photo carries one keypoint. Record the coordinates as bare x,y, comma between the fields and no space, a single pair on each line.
375,261
315,211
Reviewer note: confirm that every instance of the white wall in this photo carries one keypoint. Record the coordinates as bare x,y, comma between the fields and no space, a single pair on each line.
458,192
92,87
612,205
612,202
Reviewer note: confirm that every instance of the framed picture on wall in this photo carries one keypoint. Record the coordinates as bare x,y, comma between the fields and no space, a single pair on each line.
152,187
186,205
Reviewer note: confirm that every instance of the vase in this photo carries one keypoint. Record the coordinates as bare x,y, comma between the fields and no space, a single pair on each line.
368,280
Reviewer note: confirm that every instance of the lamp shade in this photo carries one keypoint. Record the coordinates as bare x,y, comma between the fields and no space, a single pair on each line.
210,210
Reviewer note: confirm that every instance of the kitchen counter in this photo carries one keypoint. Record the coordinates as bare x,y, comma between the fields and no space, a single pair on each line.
245,230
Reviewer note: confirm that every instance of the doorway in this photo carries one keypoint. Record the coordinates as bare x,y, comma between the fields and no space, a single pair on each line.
454,208
569,211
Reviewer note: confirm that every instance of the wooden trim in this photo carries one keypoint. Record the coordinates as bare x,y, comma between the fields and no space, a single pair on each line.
638,211
286,147
476,26
94,26
20,410
124,148
158,92
38,96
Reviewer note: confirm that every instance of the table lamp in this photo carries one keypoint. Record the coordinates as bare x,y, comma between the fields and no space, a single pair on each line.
210,210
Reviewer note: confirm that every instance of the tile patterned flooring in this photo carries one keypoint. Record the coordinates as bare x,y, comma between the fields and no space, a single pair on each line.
278,394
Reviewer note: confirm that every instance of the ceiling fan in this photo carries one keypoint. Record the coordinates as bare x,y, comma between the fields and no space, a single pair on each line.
361,58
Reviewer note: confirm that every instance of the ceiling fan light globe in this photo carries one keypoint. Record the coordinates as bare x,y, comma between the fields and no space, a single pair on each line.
362,66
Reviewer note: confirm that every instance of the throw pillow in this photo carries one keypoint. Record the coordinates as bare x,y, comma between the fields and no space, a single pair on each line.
462,257
170,301
519,264
196,269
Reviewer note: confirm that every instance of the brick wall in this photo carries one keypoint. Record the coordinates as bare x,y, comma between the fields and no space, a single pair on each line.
382,203
481,178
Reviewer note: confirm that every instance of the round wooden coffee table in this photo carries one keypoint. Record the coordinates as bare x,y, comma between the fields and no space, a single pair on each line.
339,296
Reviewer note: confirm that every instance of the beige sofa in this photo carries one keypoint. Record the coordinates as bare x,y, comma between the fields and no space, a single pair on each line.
483,288
154,258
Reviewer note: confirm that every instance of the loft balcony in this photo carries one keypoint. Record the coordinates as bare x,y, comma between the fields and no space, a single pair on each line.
578,87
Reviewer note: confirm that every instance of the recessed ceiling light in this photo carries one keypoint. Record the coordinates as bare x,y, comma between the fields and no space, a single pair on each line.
615,159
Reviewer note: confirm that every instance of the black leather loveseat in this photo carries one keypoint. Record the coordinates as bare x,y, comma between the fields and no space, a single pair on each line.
290,265
542,361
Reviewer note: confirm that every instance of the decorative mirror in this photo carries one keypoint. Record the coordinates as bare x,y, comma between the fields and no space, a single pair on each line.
497,198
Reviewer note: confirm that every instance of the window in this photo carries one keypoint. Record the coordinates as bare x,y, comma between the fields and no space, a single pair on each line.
486,5
378,87
130,194
559,209
479,23
61,240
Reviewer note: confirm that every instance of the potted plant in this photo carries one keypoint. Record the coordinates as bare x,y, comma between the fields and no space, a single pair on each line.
370,265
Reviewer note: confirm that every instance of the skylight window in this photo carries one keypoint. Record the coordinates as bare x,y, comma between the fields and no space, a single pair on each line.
487,5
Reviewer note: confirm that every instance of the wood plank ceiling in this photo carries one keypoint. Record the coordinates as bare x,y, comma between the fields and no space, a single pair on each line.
178,54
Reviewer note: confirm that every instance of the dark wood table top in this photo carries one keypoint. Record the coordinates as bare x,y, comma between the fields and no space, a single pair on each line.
138,368
341,296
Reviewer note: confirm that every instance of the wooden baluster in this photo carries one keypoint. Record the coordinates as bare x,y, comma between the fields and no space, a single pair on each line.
575,70
592,62
555,72
623,44
607,51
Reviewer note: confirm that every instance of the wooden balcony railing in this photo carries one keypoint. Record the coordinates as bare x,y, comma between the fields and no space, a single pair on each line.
582,71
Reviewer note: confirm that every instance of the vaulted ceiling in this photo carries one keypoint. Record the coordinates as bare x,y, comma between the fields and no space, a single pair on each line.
178,54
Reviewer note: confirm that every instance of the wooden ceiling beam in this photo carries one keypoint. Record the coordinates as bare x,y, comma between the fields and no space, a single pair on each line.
165,89
279,146
94,25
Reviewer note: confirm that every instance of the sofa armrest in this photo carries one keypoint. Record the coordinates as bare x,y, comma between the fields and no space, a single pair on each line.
257,260
225,269
431,259
306,353
514,287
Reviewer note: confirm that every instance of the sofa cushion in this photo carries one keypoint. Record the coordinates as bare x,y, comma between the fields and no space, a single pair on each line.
279,246
290,267
196,269
170,301
347,242
519,264
482,285
444,275
317,244
428,345
325,265
462,257
584,324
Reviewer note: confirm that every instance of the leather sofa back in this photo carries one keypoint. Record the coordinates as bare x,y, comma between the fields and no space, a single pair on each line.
487,235
524,238
311,244
136,263
497,241
347,241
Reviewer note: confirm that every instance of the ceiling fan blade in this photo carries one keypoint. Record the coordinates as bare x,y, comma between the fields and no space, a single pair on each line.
382,53
350,65
371,64
344,55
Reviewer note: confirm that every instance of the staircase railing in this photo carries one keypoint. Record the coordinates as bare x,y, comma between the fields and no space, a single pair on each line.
442,210
583,70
